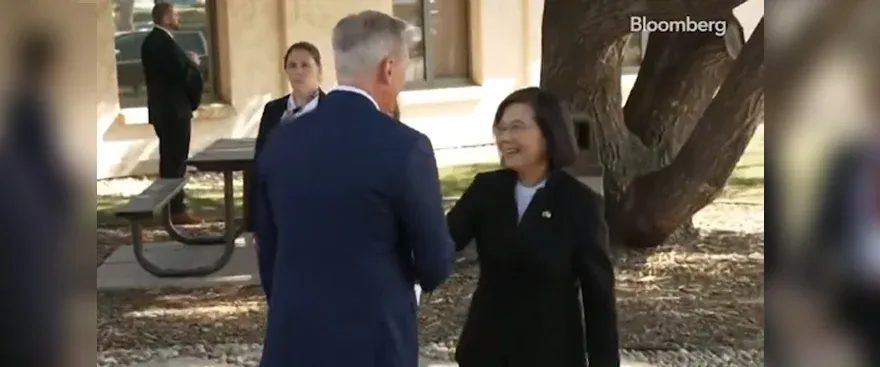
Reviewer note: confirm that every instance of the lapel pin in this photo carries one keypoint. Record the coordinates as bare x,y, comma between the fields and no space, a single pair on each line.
546,214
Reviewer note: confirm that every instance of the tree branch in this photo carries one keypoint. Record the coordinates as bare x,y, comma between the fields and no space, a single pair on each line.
612,17
700,171
582,44
678,9
677,80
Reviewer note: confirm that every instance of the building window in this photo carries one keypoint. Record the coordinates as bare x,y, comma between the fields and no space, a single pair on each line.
133,23
441,54
634,52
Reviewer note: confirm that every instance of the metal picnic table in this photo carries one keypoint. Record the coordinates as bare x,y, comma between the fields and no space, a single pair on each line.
225,156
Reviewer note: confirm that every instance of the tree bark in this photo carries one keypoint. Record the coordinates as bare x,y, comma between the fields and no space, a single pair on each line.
677,80
582,45
657,203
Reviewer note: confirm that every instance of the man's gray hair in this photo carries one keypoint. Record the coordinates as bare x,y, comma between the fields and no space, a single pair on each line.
362,40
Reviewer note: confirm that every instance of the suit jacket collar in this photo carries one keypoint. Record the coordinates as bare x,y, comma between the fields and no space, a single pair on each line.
164,30
346,100
290,105
356,90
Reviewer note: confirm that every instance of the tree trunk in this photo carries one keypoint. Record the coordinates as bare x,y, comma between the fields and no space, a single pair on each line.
657,203
582,45
124,15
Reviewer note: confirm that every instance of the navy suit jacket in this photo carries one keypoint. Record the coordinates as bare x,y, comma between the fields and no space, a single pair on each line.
272,113
349,217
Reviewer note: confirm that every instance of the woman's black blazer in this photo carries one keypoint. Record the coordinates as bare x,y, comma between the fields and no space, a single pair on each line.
525,310
272,113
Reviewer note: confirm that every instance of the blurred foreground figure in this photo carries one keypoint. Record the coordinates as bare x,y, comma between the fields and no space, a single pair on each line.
849,233
33,212
850,225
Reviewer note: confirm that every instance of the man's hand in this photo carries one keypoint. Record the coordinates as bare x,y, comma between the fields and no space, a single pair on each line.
193,57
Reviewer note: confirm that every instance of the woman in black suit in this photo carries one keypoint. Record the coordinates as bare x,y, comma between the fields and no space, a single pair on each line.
302,64
541,238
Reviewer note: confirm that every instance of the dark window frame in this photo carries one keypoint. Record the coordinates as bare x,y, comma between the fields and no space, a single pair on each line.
429,9
212,54
212,14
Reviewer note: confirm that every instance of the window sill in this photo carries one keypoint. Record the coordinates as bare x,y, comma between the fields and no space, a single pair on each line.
212,111
462,93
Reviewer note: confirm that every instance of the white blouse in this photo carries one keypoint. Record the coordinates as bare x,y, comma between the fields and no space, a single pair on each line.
524,195
292,112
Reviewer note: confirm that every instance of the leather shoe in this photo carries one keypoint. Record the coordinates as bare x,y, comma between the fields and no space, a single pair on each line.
184,219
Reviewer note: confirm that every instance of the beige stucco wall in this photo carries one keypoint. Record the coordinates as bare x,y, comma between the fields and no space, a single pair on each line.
252,36
505,48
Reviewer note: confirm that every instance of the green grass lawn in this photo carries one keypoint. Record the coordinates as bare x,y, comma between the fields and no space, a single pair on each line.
745,185
207,202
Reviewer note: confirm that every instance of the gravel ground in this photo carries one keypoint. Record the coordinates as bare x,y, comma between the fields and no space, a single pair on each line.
249,355
696,302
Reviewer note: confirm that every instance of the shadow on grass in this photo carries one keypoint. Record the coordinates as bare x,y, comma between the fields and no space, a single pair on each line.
746,181
748,166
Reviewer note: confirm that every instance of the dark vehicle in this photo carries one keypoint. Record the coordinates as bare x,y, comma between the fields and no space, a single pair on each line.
130,71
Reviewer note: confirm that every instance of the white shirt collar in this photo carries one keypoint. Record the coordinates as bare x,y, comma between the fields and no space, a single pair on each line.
310,105
166,31
348,88
291,105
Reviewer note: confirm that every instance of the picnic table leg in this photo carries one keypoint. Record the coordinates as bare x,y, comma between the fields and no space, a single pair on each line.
207,240
232,232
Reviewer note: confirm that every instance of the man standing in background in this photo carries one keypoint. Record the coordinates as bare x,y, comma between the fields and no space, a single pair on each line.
174,91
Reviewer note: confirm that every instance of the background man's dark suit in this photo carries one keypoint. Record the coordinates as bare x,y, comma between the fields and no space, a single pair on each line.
349,216
174,91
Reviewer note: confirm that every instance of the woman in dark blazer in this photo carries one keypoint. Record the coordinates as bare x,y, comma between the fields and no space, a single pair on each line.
302,64
542,239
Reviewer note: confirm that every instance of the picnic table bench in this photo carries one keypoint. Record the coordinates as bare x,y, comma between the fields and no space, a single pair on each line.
224,155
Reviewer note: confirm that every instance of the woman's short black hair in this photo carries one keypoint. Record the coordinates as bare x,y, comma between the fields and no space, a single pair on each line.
554,121
304,46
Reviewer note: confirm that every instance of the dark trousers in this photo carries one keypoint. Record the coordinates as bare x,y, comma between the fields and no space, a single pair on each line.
174,137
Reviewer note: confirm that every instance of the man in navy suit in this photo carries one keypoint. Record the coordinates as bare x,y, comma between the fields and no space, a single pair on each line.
349,214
